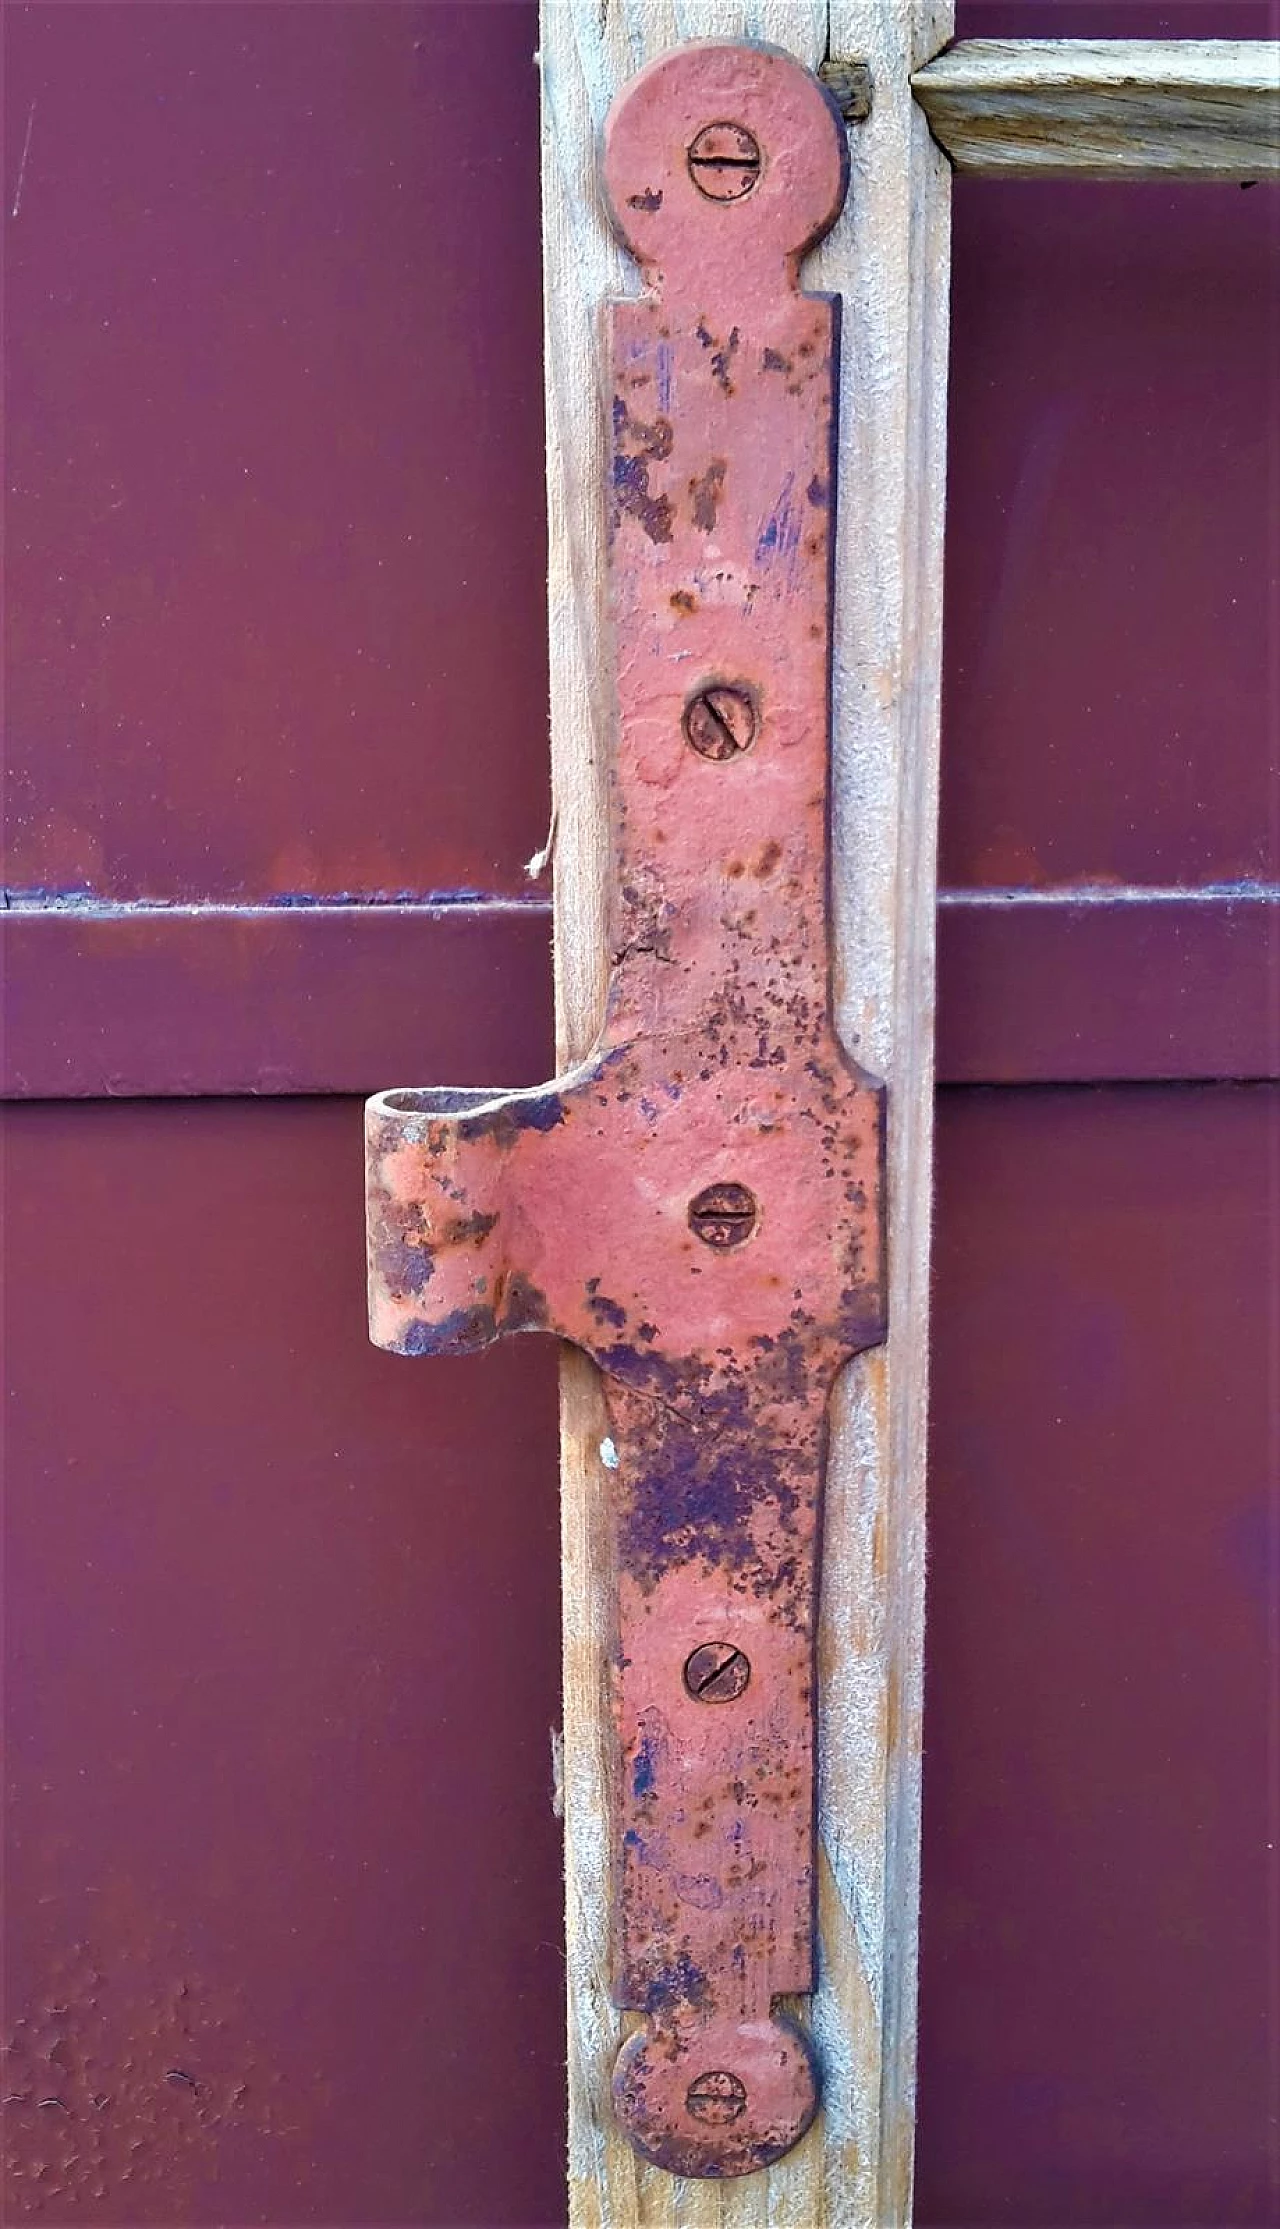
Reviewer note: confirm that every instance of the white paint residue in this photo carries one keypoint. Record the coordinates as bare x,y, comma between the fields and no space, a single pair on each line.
22,166
541,860
609,1455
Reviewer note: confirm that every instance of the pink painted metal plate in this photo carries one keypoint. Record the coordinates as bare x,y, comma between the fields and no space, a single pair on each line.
699,1206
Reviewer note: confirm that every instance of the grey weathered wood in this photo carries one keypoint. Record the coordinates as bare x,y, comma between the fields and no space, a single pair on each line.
888,258
1107,108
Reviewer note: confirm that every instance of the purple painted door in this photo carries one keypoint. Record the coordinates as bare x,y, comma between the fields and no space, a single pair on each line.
283,1875
283,1891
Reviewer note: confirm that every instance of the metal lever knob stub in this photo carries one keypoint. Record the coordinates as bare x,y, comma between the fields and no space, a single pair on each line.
699,1205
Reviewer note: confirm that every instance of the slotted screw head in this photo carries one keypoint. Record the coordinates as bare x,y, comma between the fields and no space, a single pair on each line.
720,723
723,1215
717,1672
724,161
716,2098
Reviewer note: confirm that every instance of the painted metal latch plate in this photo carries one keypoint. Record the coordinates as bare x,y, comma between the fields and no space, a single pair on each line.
699,1205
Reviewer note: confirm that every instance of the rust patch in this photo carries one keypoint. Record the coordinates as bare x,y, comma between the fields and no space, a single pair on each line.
700,1205
705,493
721,353
637,445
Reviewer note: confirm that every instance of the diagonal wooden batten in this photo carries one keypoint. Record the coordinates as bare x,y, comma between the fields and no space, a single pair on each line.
888,259
1107,108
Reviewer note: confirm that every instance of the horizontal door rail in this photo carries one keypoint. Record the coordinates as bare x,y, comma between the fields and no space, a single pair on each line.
1107,108
167,1002
1033,987
1109,986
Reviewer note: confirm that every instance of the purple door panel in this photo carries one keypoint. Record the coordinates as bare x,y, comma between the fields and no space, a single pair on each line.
283,1878
1112,549
1099,2038
275,520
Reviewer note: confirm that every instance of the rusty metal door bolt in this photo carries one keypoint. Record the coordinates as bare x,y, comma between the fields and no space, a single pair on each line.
699,1205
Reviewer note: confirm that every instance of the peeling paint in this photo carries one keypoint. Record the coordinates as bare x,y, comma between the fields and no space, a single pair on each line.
124,2077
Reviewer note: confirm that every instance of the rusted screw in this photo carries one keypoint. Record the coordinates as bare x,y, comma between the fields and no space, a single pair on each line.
724,162
717,1672
851,86
720,723
717,2098
723,1215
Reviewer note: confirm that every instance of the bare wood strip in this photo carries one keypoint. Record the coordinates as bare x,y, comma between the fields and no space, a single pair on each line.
889,260
1107,108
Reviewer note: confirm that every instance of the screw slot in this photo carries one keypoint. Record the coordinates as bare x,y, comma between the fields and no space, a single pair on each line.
724,1215
717,2098
717,1672
720,723
724,162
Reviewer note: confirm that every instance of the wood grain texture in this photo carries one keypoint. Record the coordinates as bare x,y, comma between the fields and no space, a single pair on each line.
1107,108
888,258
